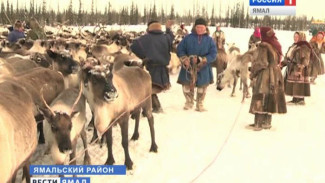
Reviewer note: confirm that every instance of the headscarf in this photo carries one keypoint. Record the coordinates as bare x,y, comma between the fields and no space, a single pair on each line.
268,35
314,38
302,41
257,32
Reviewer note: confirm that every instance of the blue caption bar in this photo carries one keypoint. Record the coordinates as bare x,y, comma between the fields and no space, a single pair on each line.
77,170
74,180
266,2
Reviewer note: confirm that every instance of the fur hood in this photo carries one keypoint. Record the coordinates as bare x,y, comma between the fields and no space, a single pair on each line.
154,27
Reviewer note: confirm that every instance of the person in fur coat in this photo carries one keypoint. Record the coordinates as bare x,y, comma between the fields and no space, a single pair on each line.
268,90
297,60
316,65
154,48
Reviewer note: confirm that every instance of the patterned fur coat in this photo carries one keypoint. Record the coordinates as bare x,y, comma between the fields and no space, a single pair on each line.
268,90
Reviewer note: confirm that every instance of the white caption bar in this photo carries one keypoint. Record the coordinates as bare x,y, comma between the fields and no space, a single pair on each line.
272,10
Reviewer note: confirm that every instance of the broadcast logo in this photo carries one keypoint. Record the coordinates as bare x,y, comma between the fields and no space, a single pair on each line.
272,7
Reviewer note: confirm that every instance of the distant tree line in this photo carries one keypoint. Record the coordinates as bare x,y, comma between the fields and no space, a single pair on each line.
234,16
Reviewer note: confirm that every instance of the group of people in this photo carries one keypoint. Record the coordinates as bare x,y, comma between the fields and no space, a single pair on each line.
303,63
197,50
18,32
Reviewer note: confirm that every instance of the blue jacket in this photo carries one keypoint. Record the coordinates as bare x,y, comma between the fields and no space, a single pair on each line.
206,47
15,35
155,47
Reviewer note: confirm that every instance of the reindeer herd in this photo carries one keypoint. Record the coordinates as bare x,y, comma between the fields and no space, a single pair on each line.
45,86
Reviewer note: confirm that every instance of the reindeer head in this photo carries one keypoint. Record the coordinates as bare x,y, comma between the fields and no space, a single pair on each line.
61,123
63,62
219,78
99,79
40,59
25,44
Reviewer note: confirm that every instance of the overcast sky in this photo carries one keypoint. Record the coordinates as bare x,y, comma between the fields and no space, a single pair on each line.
309,8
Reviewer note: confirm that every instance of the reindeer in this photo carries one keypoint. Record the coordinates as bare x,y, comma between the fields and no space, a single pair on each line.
64,63
21,65
18,134
65,120
221,61
238,67
33,81
110,93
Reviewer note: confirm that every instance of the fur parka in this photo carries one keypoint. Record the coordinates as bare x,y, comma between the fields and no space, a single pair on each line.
316,65
268,89
296,78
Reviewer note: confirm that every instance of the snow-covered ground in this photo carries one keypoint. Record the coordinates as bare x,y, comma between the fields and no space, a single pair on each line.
218,140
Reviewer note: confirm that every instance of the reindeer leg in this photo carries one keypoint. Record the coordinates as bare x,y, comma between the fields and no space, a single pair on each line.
95,135
73,154
26,171
41,139
110,159
91,123
244,90
234,87
84,141
39,119
124,124
154,147
217,76
136,116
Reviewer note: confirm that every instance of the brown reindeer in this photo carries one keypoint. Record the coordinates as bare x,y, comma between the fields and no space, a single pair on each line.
113,94
221,61
64,63
65,121
33,81
18,132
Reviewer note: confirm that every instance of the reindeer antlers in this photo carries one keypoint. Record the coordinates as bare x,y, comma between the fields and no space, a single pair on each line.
44,102
77,99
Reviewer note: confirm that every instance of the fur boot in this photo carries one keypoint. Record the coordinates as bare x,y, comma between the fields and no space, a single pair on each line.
258,121
201,91
300,101
189,96
293,101
267,121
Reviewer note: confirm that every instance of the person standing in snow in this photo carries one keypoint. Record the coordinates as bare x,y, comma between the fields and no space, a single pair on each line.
154,47
268,88
316,65
296,81
219,37
196,52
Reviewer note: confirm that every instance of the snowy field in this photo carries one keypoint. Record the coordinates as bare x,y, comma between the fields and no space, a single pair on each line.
216,145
